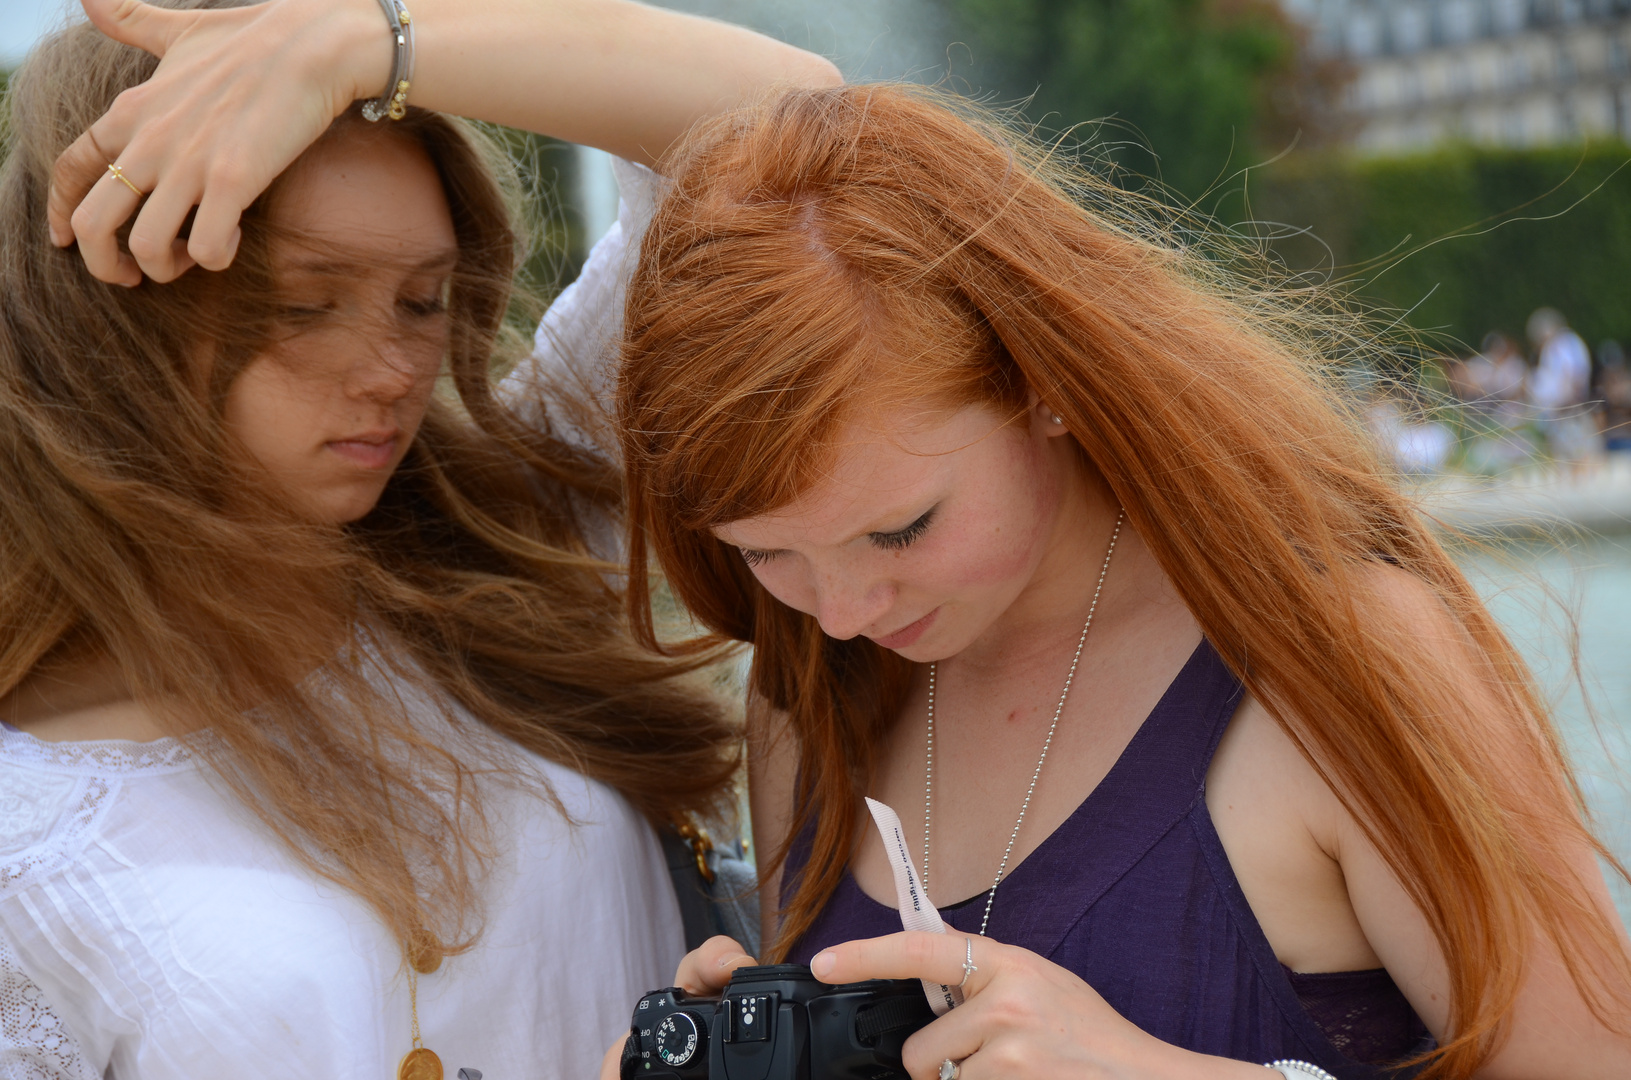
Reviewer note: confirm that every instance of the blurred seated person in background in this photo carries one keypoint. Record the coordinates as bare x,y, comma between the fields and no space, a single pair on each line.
1614,390
1562,374
1560,388
1492,375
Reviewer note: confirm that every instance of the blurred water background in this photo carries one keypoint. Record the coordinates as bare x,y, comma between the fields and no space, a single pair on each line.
1461,165
1564,601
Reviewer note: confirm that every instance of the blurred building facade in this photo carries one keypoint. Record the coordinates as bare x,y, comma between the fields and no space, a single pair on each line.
1502,72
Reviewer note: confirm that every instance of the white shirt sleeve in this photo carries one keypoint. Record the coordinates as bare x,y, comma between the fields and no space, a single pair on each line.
575,349
34,1043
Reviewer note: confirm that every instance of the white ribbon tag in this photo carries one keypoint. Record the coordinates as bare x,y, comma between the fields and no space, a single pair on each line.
916,913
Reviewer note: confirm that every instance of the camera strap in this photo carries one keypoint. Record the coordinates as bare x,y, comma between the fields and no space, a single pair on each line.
916,913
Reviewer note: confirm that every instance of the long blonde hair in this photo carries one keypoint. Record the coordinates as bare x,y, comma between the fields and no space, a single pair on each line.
472,575
829,251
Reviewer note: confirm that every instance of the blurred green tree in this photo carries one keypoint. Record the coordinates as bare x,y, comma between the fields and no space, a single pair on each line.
1466,239
1205,86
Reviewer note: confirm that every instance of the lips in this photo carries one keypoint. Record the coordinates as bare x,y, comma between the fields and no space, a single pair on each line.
906,635
369,450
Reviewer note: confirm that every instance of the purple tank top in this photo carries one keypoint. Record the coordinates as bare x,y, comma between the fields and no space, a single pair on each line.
1135,894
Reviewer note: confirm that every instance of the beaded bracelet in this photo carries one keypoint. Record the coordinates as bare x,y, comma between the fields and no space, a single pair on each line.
1298,1070
394,101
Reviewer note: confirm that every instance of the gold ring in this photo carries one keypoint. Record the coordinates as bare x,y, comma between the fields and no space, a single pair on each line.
119,175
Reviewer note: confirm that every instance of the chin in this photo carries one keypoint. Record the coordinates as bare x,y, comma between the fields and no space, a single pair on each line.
342,508
937,646
925,651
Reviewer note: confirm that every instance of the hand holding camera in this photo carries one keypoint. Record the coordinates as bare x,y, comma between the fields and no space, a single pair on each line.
777,1022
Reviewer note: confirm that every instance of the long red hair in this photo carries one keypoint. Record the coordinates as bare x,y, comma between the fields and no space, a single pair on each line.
830,250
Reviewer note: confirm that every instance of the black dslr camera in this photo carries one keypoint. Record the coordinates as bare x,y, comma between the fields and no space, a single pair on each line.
776,1023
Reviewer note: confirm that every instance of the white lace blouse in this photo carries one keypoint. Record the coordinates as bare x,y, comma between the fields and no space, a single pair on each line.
151,929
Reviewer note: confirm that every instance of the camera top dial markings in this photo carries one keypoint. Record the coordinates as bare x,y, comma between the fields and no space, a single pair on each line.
677,1039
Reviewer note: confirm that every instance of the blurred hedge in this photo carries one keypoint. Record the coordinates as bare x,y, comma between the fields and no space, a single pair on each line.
1471,239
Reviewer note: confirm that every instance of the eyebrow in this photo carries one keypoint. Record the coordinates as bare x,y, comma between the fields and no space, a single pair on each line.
440,260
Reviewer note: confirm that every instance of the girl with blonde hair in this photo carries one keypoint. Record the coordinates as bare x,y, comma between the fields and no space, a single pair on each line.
328,751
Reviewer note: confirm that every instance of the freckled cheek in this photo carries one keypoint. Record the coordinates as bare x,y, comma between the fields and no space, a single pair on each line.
997,537
784,582
985,555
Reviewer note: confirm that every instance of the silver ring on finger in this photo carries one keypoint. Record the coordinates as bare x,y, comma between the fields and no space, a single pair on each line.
950,1070
968,962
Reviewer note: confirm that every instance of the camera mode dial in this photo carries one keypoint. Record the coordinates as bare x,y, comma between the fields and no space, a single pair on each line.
678,1039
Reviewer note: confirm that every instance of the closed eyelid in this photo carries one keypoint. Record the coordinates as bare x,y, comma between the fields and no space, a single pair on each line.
895,540
754,556
903,537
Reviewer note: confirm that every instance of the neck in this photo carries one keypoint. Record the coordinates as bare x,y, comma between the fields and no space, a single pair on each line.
78,695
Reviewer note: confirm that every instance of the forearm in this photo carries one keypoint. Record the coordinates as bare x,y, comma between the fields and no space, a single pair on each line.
618,75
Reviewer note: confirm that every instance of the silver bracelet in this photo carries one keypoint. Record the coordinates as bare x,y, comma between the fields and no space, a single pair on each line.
394,101
1299,1070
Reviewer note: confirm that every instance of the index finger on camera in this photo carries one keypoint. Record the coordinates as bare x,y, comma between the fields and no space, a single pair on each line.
912,954
707,968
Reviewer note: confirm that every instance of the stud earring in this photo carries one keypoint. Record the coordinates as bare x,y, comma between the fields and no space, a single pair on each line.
1056,418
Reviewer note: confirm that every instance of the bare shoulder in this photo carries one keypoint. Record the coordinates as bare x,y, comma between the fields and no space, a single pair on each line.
1302,860
1400,601
1326,897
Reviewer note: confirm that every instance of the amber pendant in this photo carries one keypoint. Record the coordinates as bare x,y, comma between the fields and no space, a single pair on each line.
419,1064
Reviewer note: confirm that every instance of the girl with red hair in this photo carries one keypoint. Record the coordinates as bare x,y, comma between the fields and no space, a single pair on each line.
1046,530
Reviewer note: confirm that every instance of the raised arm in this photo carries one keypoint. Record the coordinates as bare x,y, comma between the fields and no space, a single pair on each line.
241,92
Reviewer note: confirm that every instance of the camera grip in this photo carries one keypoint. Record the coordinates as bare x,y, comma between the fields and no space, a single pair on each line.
629,1065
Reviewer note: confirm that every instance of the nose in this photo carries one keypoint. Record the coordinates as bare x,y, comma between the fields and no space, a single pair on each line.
385,374
847,605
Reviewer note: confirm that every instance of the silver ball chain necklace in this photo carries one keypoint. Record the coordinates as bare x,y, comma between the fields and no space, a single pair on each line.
928,768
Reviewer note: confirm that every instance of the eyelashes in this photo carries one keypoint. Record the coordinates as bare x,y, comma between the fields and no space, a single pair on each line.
436,305
891,541
311,311
895,541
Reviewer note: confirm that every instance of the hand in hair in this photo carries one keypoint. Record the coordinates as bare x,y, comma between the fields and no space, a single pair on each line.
240,92
279,71
1023,1017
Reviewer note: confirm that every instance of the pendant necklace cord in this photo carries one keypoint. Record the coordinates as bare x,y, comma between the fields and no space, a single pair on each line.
413,1005
928,767
419,1063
